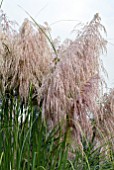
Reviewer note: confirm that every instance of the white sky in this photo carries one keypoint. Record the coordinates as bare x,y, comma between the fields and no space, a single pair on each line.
78,10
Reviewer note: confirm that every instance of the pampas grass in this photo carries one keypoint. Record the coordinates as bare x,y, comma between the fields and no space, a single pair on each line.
53,113
73,90
106,114
33,60
67,86
26,59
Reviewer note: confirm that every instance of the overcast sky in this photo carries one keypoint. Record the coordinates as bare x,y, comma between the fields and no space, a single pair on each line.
74,11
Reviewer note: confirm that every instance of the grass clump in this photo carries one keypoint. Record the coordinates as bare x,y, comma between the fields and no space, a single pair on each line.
64,122
26,143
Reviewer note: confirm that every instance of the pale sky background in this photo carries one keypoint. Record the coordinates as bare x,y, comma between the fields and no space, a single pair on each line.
75,10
